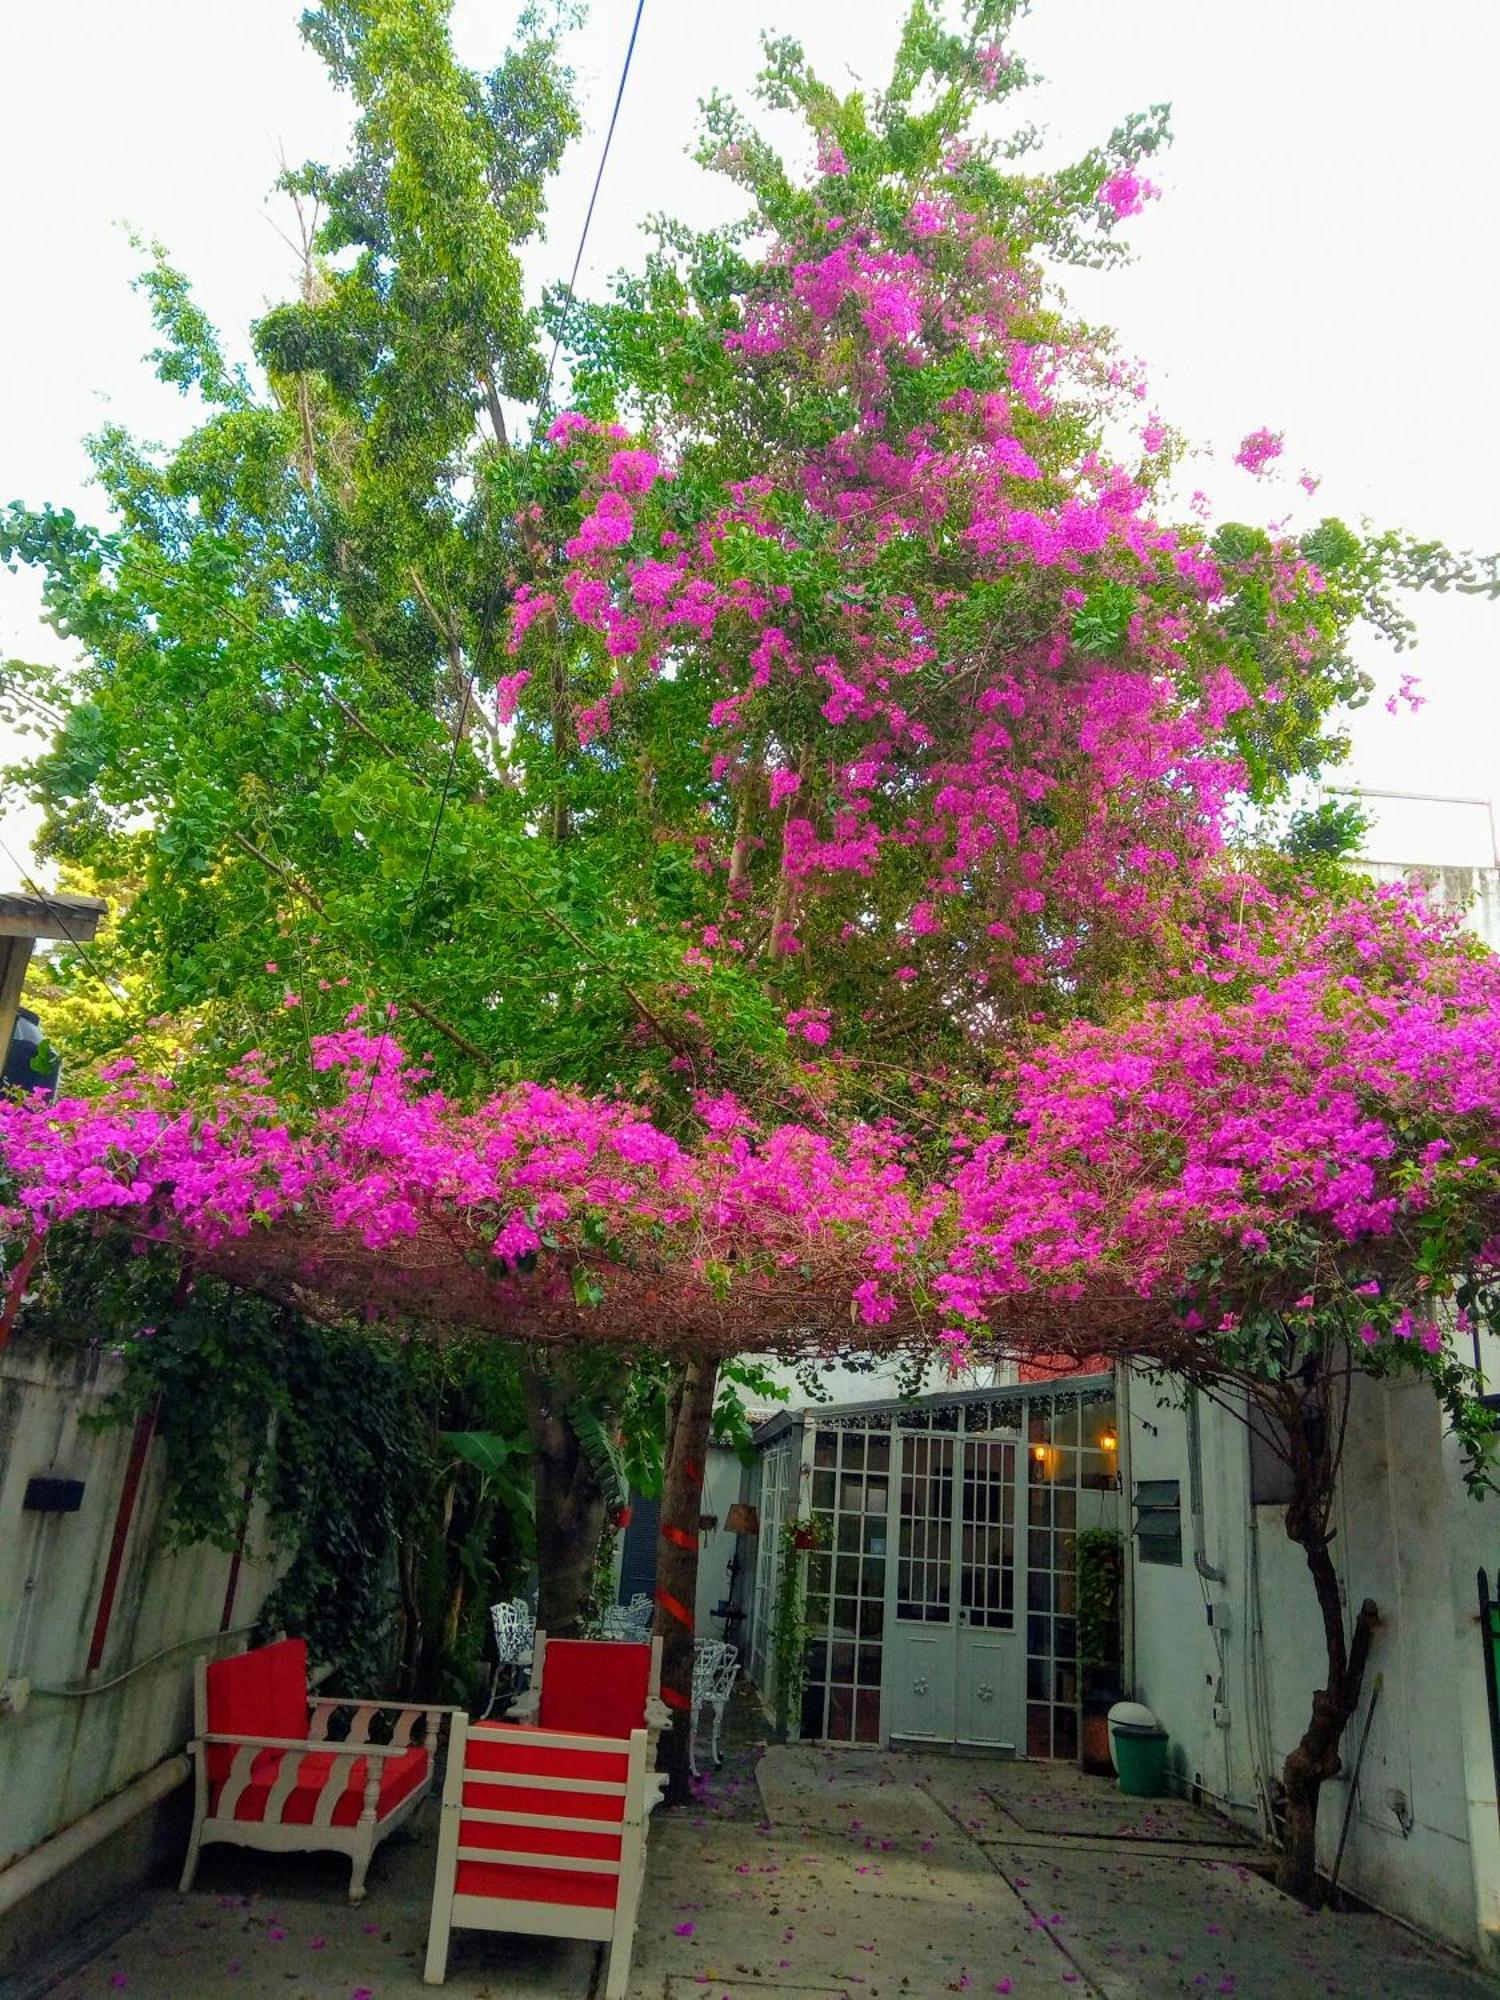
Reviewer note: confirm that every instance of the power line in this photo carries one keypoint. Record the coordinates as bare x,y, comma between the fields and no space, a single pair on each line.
463,712
29,882
635,28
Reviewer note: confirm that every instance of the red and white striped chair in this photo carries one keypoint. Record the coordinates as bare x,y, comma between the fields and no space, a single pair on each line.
543,1832
605,1687
267,1776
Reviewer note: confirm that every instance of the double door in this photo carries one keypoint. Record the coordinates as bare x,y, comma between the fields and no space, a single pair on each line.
955,1661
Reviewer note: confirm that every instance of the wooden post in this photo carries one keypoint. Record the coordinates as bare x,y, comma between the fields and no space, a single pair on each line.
690,1409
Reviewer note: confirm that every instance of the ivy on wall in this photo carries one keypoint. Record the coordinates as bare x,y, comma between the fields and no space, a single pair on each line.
392,1474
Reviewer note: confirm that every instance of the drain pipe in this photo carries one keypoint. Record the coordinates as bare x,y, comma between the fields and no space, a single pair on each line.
1201,1562
39,1867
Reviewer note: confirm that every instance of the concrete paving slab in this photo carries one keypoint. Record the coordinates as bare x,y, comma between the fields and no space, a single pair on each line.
904,1932
737,1906
867,1795
1139,1926
260,1925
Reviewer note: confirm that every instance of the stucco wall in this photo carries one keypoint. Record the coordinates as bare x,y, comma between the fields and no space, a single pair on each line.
1424,1841
66,1752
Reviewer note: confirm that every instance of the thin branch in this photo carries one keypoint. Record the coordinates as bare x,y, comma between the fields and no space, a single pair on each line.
315,902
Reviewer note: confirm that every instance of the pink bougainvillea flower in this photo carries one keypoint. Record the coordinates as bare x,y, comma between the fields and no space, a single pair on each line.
1257,449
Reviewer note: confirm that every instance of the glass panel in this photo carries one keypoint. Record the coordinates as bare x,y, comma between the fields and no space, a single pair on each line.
871,1619
925,1534
880,1454
1038,1731
867,1716
869,1666
1038,1590
841,1662
852,1494
1065,1732
854,1451
823,1489
825,1447
987,1549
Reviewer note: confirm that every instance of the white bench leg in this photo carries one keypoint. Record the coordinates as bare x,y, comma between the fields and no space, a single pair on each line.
190,1866
718,1718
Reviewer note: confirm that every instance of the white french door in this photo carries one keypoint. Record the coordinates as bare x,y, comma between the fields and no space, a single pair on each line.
955,1664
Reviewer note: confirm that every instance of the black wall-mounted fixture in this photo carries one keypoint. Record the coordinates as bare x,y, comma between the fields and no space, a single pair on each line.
53,1496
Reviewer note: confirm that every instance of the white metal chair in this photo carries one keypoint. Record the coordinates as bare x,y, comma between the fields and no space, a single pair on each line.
631,1622
716,1666
515,1631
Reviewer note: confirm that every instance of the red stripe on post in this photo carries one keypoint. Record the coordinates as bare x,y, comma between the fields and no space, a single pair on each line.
693,1471
674,1699
15,1291
675,1608
140,1444
680,1537
237,1558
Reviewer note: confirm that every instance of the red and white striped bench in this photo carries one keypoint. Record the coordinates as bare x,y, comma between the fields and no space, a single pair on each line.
543,1832
267,1776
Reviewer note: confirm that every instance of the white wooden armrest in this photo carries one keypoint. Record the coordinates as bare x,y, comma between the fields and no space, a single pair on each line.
658,1715
303,1743
365,1712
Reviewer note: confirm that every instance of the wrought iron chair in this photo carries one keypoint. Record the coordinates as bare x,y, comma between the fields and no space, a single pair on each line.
515,1630
716,1666
631,1622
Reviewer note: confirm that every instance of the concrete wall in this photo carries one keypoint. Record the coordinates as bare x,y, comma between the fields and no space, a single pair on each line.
83,1736
1424,1839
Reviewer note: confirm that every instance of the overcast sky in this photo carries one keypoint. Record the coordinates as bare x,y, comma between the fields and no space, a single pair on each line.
1321,261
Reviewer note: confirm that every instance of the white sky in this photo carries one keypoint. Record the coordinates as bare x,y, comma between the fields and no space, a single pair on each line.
1321,260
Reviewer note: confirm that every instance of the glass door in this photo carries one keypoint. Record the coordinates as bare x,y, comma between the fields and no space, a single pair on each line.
922,1663
989,1670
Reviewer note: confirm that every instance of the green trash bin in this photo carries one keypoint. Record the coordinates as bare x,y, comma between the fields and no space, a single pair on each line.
1141,1755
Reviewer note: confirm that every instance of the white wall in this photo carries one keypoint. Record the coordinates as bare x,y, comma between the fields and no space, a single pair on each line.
724,1479
1409,1537
66,1752
1474,891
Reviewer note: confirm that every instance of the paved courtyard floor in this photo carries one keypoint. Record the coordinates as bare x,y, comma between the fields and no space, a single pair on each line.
804,1874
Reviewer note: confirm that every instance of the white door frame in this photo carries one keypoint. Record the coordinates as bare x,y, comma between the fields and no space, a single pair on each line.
949,1645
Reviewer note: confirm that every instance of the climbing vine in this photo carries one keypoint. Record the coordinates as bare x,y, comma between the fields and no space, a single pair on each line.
789,1633
1101,1576
375,1469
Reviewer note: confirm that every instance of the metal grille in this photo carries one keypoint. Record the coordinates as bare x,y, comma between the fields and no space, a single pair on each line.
987,1573
846,1585
774,1467
924,1567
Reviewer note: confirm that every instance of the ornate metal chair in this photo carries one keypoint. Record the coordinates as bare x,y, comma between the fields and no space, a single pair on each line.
716,1666
631,1622
515,1631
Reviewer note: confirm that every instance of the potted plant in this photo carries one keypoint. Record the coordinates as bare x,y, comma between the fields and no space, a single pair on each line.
1101,1578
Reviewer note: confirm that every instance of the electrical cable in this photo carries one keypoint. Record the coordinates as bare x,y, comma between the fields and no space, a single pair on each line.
635,28
458,728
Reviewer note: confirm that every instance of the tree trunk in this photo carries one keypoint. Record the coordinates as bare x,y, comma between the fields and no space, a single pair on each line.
570,1509
1316,1756
690,1409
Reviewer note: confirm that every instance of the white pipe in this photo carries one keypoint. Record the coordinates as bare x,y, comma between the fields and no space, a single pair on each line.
38,1867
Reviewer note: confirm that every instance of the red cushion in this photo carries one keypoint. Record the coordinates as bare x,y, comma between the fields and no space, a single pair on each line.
259,1693
601,1846
536,1885
595,1685
399,1778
